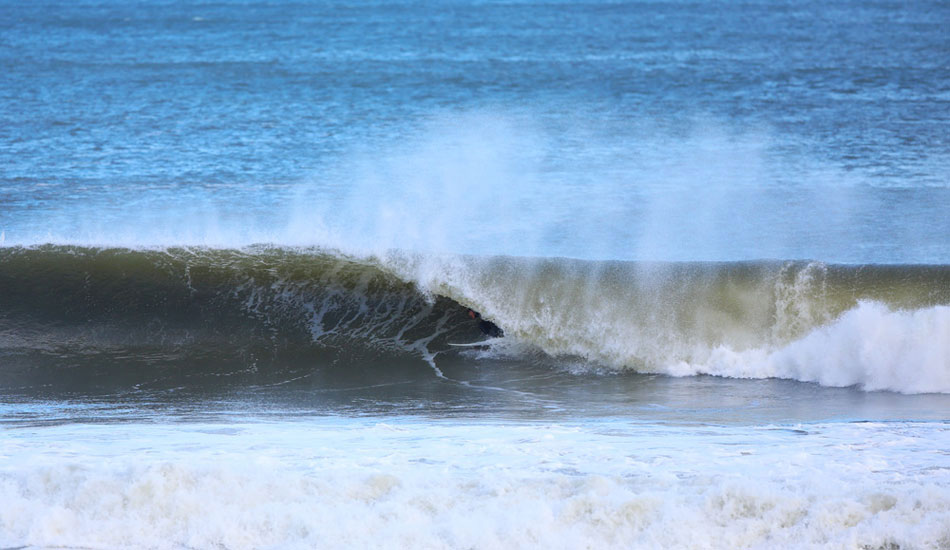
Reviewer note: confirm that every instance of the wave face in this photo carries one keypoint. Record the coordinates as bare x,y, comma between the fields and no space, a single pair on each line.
94,316
71,315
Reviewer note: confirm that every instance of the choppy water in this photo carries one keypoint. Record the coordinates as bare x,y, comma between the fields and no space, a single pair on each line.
237,239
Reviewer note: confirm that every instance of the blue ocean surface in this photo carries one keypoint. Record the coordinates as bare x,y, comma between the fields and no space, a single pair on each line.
237,240
656,130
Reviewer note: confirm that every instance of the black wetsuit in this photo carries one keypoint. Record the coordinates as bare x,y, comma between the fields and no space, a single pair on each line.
490,329
487,327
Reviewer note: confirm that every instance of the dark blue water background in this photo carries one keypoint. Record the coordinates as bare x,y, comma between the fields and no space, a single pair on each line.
801,129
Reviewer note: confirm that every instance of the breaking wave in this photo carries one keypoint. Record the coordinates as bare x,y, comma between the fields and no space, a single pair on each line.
68,314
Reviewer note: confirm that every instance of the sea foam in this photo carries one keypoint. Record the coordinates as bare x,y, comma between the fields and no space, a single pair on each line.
399,484
876,327
870,346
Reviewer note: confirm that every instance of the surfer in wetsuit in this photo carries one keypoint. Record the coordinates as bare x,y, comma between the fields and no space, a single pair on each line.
489,328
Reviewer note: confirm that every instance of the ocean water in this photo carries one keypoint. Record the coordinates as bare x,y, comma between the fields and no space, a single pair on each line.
238,238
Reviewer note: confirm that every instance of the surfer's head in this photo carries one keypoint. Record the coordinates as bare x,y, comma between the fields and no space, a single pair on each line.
472,314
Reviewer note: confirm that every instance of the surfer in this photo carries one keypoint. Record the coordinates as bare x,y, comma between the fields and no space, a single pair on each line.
487,327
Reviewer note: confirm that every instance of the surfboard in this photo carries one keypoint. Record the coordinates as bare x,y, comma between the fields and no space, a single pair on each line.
470,345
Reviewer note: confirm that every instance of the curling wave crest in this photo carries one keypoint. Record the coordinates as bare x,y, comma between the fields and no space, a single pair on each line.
257,309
